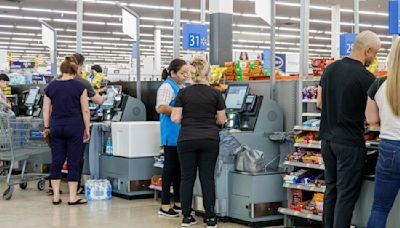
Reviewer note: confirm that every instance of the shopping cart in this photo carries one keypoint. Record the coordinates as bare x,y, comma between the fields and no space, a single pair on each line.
20,138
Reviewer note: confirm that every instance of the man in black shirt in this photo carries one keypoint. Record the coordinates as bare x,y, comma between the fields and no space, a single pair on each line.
343,95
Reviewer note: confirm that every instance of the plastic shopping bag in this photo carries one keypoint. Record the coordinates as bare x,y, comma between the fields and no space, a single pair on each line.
248,160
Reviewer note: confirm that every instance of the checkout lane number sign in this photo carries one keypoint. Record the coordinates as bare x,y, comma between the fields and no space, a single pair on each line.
195,37
346,43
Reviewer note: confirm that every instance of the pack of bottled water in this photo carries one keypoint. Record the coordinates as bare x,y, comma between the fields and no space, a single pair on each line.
98,190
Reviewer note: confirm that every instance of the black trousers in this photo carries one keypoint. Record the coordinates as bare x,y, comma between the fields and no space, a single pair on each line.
81,165
201,155
344,167
66,143
171,175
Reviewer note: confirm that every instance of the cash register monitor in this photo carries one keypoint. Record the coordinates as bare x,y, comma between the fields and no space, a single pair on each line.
31,97
235,97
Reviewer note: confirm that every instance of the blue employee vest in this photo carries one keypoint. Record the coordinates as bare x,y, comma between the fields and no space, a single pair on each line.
169,129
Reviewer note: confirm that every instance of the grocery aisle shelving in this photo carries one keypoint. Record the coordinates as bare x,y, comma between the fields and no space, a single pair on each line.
309,100
308,145
306,112
158,165
155,188
306,128
287,211
304,165
312,79
311,114
304,187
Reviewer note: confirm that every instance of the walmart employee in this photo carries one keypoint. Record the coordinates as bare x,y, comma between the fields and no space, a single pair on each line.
174,76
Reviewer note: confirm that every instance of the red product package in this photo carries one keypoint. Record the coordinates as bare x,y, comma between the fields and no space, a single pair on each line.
297,200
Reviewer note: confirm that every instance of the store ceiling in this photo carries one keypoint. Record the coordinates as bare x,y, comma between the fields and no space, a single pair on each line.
104,41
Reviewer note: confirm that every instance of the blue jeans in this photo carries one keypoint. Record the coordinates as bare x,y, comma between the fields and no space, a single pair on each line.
387,182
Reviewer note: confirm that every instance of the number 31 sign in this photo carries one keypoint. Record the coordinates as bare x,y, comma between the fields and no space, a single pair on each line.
195,37
346,43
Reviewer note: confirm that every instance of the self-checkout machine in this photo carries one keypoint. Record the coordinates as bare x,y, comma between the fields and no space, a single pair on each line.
135,140
250,197
252,119
33,102
33,98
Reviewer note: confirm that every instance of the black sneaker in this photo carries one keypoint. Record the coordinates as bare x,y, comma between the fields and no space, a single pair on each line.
177,209
211,222
170,213
188,221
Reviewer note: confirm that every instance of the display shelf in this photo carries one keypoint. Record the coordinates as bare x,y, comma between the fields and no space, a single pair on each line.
158,165
305,165
156,188
309,100
311,114
372,143
304,187
312,79
374,128
308,145
306,128
287,211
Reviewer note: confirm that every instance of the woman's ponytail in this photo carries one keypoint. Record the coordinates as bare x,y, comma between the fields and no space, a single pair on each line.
165,74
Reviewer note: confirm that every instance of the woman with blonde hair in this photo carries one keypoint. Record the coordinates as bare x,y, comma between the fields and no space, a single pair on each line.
384,107
200,109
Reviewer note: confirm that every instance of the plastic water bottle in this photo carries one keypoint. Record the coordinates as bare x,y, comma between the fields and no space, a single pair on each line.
98,190
109,147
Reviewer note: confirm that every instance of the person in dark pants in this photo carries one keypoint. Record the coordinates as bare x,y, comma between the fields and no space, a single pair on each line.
66,119
383,107
174,76
343,94
200,109
94,97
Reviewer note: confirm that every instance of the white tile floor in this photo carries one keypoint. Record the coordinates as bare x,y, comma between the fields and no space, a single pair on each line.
30,209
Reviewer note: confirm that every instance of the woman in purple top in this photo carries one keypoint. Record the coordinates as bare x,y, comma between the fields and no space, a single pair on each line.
67,119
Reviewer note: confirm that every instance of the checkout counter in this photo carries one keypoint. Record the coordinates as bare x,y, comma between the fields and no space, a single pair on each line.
249,197
135,143
363,207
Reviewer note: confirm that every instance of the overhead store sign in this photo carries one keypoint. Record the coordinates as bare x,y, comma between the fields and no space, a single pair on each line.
263,10
129,24
4,64
195,37
394,17
288,63
48,36
22,65
280,60
346,43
